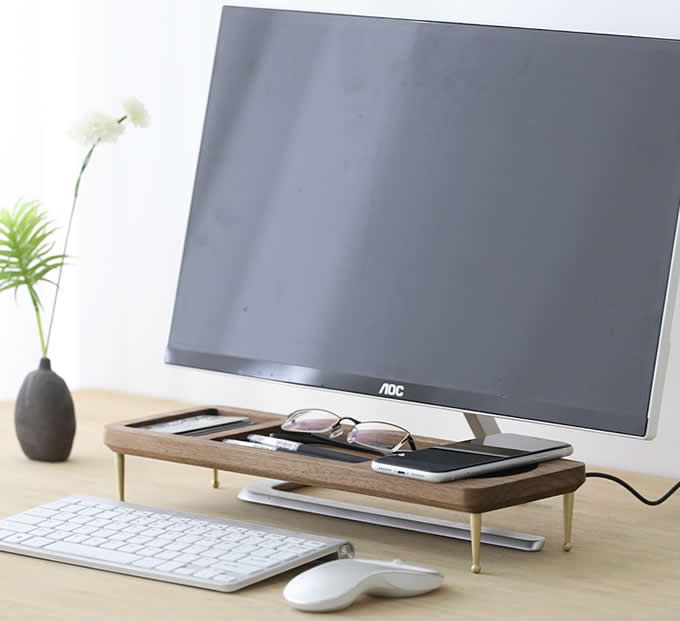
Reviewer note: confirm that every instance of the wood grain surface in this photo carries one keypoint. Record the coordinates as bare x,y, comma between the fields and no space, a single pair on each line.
470,495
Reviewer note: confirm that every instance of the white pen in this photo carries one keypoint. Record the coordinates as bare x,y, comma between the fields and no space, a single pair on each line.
249,444
288,445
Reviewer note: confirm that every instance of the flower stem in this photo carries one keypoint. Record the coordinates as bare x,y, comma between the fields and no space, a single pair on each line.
36,306
86,161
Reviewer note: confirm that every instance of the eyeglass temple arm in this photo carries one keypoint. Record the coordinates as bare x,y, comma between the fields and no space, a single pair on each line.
408,439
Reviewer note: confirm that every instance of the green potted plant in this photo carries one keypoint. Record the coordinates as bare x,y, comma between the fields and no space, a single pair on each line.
44,415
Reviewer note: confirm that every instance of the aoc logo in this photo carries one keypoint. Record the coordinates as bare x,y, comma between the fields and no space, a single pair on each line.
393,390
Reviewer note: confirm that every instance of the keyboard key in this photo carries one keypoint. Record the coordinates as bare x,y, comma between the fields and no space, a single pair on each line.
223,578
169,566
232,556
147,563
189,539
57,504
197,530
204,562
81,519
258,561
85,530
40,512
185,571
150,551
195,550
94,541
141,540
134,530
235,568
167,555
212,553
90,512
76,538
52,523
313,544
206,573
37,542
15,527
114,556
175,546
186,558
116,526
17,538
246,549
252,541
121,536
272,544
58,534
111,545
123,518
39,532
131,548
262,552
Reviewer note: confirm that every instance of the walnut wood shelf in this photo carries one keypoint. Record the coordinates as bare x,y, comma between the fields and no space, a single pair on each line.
474,496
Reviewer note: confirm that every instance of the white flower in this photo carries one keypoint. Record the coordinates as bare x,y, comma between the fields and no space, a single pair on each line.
95,127
136,112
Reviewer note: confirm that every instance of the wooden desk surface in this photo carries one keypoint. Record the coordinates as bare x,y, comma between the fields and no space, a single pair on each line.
625,563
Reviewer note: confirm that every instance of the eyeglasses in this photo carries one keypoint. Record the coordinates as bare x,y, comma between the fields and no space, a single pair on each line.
381,437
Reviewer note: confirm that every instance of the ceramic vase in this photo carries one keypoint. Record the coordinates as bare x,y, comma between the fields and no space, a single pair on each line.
44,417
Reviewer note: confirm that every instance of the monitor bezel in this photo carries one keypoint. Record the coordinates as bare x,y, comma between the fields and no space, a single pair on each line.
368,386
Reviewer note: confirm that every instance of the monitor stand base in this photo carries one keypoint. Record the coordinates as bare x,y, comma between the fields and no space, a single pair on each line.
281,494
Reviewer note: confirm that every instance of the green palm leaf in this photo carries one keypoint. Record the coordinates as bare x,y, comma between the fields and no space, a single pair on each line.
26,257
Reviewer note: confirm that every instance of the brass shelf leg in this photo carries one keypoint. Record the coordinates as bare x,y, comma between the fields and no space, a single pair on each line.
568,509
215,478
120,474
475,536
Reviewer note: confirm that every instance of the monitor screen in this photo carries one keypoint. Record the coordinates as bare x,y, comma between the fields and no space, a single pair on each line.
476,217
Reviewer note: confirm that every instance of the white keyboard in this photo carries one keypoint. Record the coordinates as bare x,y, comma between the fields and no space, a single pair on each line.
153,543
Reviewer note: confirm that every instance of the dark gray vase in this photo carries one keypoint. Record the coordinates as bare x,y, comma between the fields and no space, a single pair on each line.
44,416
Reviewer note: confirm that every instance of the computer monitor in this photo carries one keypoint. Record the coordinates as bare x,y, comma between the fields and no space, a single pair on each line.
475,217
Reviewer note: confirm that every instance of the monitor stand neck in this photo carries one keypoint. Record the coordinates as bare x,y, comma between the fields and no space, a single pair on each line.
481,425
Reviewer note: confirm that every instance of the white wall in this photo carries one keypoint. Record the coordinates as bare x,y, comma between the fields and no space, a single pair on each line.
60,58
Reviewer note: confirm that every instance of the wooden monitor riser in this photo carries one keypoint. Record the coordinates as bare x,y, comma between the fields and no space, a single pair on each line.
474,496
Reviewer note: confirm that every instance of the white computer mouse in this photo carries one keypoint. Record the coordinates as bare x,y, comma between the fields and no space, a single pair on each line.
336,584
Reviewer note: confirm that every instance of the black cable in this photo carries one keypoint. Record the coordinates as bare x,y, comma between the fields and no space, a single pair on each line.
638,495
